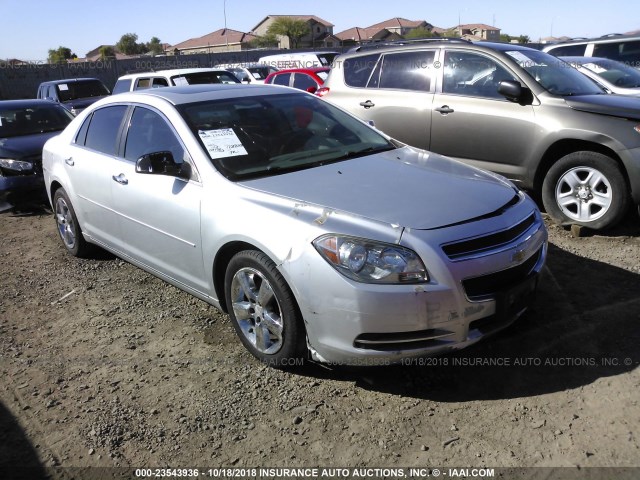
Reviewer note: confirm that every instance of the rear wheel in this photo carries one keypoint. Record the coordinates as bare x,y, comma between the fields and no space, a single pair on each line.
585,188
68,227
263,310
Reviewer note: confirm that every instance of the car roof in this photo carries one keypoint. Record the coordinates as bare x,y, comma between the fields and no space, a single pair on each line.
302,70
28,103
200,93
502,47
171,72
603,39
69,80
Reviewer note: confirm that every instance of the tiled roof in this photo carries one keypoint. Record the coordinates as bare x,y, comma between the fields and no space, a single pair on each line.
483,26
358,33
396,23
219,37
306,18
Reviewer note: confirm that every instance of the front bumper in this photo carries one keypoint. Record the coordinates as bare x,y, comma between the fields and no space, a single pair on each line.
467,298
21,185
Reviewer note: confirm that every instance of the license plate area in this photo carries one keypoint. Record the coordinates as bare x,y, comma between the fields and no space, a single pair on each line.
513,302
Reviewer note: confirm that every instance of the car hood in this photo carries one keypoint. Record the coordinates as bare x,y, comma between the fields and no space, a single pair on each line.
407,187
25,145
613,105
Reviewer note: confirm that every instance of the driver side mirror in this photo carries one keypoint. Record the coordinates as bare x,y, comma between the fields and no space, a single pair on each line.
515,92
312,89
162,163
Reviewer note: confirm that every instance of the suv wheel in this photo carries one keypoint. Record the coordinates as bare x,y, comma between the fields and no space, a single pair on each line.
263,310
585,188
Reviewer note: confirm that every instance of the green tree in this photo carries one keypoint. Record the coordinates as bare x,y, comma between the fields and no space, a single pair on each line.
127,44
292,28
505,38
106,52
524,39
420,32
265,41
452,33
154,46
60,55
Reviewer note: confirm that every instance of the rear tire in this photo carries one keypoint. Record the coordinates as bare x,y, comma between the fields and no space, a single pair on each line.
68,227
585,188
263,310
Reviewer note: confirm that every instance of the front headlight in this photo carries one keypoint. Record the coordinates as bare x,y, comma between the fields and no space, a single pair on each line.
369,261
17,165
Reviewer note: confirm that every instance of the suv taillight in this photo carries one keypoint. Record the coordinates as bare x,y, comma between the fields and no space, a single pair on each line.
322,91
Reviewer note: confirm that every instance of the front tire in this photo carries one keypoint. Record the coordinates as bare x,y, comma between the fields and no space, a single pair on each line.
585,188
263,310
68,227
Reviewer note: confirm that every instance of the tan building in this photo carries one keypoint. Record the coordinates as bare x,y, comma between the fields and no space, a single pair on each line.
478,31
223,40
389,30
320,32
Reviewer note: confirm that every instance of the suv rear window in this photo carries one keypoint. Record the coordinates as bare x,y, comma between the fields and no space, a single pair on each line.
357,70
81,89
569,50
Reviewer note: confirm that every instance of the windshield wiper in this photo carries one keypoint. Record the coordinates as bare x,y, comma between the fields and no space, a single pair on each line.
365,151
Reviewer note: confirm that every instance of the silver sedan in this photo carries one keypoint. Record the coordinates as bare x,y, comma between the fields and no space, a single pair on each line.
317,234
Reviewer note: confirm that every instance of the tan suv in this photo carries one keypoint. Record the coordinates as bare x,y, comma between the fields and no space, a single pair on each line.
513,110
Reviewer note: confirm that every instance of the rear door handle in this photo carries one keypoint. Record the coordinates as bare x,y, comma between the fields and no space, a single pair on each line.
367,104
121,179
445,109
69,161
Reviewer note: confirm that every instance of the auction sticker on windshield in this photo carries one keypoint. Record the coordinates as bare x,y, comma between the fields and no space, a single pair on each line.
222,143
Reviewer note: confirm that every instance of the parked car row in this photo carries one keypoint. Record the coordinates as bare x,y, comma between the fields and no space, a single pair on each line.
338,240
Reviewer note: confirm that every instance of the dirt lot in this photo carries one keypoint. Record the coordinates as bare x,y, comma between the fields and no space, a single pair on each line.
105,365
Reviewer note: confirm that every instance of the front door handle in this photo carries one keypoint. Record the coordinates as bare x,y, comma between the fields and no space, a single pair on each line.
367,104
121,179
69,161
445,110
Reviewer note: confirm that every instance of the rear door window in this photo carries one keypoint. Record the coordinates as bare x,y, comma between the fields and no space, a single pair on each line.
405,71
104,129
357,70
303,81
282,79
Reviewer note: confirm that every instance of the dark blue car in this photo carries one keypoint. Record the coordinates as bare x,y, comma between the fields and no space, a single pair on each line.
25,126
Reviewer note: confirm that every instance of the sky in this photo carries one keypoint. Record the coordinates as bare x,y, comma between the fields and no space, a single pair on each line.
31,27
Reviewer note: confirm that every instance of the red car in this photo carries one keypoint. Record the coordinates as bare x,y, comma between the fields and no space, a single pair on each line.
309,79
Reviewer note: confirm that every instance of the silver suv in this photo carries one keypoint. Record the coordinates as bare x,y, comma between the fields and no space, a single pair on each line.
516,111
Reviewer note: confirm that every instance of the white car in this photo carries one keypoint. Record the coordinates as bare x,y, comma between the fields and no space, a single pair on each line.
170,78
316,233
615,77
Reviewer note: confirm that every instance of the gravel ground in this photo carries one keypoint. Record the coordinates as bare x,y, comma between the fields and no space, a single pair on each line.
105,365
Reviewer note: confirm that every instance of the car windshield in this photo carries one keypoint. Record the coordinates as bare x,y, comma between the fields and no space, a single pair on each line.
15,122
616,73
265,135
260,73
554,75
199,78
81,89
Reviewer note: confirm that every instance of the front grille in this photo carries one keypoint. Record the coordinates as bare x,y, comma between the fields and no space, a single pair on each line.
488,242
479,288
393,341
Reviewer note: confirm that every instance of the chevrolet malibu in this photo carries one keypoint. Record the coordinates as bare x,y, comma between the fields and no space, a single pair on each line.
316,233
